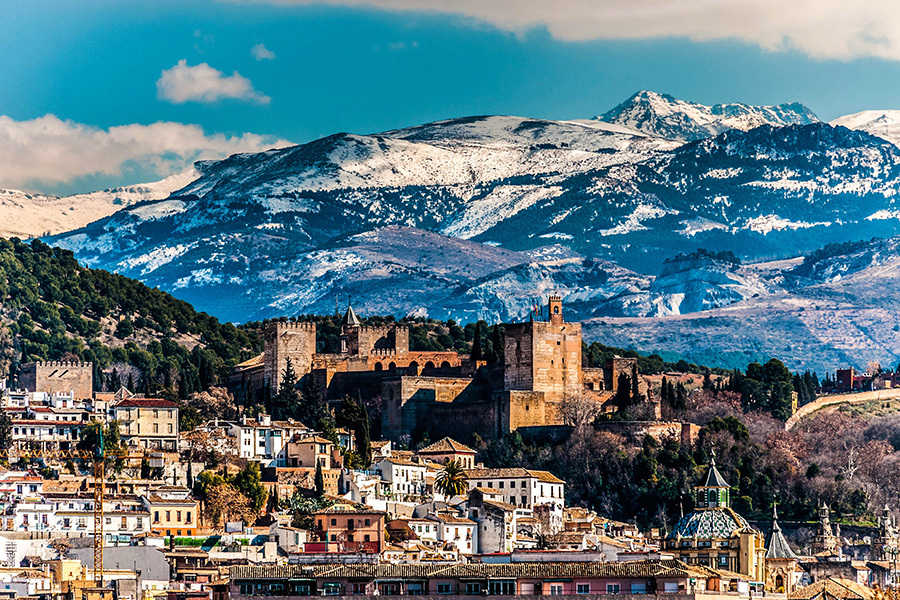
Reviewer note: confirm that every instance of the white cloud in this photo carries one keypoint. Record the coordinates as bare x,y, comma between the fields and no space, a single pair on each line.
202,83
260,52
50,150
822,29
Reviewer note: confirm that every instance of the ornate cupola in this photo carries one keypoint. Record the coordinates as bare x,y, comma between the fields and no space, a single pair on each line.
714,491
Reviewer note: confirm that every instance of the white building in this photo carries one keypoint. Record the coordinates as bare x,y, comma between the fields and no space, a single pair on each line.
526,489
456,531
402,478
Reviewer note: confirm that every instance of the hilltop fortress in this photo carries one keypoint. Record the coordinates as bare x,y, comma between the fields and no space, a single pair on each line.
443,393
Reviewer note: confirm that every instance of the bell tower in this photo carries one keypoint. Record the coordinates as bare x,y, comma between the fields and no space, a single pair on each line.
554,306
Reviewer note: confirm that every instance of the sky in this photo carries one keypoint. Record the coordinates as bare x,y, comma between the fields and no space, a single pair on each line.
100,93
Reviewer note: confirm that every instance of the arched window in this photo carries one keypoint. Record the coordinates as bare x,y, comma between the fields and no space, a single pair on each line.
379,366
445,365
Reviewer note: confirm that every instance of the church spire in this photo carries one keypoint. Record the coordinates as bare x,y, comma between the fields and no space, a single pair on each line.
778,546
714,491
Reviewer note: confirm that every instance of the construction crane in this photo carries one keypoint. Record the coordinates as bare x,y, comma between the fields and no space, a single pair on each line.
97,456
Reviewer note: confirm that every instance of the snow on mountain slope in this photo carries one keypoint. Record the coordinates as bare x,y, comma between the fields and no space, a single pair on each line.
882,123
27,215
668,117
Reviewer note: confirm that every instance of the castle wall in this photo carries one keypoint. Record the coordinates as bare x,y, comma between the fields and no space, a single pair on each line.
523,408
284,340
518,353
412,404
59,376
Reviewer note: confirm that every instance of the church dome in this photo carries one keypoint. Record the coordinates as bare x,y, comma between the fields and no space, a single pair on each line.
710,524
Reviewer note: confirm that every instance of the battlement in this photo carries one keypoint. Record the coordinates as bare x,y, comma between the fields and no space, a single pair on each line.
294,325
554,299
60,363
383,352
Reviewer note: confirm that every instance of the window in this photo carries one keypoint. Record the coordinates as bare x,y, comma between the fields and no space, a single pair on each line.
556,589
501,485
473,588
156,516
443,588
178,516
671,587
368,522
583,588
124,524
187,517
612,588
367,538
334,522
168,515
502,588
358,589
170,428
524,500
156,428
638,587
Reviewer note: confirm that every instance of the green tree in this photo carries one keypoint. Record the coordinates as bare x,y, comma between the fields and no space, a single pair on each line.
320,481
5,431
452,480
287,399
249,483
477,344
124,329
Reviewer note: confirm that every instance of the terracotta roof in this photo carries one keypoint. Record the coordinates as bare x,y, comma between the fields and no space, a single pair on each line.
154,499
502,505
833,588
315,439
253,362
513,473
145,403
542,570
487,490
446,446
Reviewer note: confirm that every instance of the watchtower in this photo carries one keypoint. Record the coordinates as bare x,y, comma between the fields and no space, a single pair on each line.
285,339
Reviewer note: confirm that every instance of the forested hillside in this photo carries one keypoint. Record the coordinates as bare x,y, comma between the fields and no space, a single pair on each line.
54,309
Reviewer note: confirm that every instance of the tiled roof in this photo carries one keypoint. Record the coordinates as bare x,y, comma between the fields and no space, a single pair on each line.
513,473
146,403
713,477
253,362
154,499
487,490
539,570
710,524
501,505
778,545
833,588
446,446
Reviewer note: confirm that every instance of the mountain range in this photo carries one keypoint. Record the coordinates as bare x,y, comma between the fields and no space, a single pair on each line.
480,217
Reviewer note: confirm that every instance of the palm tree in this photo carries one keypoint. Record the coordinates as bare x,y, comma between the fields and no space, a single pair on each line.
452,480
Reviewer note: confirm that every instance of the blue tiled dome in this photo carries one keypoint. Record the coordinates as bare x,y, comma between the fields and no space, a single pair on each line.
710,524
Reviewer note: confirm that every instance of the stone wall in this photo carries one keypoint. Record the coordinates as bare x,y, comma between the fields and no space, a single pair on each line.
59,376
412,404
284,340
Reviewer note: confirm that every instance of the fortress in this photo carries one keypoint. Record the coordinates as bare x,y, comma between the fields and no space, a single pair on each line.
442,393
59,377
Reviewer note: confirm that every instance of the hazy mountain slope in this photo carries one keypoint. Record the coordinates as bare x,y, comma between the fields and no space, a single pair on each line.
667,117
882,123
26,215
841,310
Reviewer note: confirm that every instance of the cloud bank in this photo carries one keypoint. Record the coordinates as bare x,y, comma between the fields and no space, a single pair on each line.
50,150
260,52
202,83
822,29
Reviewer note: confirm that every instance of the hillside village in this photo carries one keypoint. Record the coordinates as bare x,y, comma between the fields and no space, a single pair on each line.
265,504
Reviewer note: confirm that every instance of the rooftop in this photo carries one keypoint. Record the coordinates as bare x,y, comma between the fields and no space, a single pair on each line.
446,446
146,403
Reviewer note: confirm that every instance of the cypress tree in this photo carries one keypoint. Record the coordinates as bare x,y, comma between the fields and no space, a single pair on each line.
476,343
320,481
497,351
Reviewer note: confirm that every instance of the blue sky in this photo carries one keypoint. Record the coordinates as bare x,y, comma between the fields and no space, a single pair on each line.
345,66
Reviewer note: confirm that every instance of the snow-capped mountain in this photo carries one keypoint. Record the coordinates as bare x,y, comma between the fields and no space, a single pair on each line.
480,217
882,123
27,215
667,117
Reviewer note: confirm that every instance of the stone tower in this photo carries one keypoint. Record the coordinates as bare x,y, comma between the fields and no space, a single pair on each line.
544,356
59,377
284,340
826,541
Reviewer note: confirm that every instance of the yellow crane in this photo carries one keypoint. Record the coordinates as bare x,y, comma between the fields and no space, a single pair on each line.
98,457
